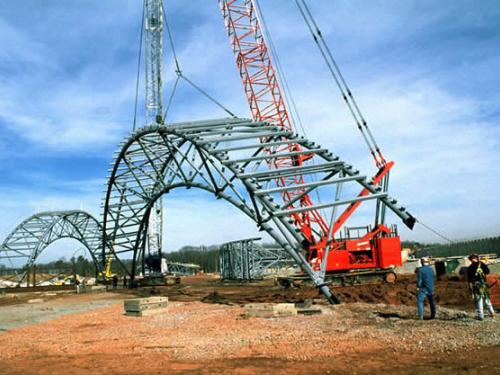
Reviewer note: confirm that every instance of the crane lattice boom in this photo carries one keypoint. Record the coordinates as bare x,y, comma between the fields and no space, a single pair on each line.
153,27
154,56
266,101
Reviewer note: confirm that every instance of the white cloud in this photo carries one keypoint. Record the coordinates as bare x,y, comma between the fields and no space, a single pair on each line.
195,218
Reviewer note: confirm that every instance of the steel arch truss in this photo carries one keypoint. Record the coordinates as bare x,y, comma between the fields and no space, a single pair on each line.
245,260
233,159
29,239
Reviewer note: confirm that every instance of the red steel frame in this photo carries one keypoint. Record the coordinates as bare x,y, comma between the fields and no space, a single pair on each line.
263,93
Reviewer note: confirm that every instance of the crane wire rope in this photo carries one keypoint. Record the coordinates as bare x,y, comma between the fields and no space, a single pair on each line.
138,66
434,231
170,98
340,82
180,74
346,92
281,73
289,98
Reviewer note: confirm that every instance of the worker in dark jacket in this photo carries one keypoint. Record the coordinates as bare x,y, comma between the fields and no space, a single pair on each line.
425,288
476,278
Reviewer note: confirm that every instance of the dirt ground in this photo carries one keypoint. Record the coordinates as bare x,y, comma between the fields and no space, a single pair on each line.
204,331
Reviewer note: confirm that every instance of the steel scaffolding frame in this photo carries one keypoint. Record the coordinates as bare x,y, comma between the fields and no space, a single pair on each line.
182,269
34,234
245,260
229,158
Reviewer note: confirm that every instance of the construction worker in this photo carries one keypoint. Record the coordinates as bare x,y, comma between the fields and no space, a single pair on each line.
425,288
476,278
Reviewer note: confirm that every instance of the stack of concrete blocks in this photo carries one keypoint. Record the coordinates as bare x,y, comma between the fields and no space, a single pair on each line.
144,306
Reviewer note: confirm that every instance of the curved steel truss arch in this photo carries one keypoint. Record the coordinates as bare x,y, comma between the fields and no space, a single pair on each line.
233,159
34,234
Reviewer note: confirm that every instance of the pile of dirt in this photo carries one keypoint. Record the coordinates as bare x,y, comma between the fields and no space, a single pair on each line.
450,292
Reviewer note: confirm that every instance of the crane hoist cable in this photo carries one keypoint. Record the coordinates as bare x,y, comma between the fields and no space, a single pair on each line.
341,83
178,71
347,94
170,98
181,75
171,39
434,231
290,101
139,66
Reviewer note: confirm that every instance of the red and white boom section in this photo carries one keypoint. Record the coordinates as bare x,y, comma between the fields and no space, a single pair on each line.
380,246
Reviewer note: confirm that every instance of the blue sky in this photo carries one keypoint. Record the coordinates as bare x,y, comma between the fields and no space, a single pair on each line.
425,74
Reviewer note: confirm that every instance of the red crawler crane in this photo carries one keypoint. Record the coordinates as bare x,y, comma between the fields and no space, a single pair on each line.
380,247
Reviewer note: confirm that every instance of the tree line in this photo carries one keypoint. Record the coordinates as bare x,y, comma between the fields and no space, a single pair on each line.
207,257
490,245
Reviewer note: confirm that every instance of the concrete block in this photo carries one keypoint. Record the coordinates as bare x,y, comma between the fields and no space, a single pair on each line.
309,311
149,312
270,310
142,306
144,301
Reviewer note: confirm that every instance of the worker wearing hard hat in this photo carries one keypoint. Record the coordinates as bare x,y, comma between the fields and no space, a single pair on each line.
425,288
476,278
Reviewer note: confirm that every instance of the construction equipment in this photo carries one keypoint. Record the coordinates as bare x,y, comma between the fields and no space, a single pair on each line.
107,275
250,163
67,280
327,250
153,42
156,273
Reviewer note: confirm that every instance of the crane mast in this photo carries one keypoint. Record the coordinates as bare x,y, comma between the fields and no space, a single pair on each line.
154,55
153,40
